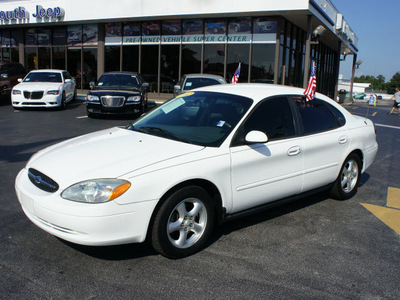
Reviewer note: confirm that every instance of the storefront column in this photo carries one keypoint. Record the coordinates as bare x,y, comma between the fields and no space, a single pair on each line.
308,51
21,48
352,76
100,50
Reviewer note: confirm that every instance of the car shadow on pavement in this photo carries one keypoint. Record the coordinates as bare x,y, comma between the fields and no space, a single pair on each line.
267,215
114,253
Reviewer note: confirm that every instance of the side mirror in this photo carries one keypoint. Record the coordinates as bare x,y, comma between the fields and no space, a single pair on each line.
256,137
67,80
91,84
146,85
19,79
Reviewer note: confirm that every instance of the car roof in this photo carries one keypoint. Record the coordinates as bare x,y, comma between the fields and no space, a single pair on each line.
2,63
203,76
258,91
47,70
122,73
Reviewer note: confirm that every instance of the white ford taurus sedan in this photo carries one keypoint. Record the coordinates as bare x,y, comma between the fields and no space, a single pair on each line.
44,88
201,158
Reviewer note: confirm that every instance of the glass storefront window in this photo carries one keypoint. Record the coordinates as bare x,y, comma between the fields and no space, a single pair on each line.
113,34
60,36
43,37
130,58
14,54
151,28
238,53
112,57
171,27
59,57
74,35
30,37
169,67
149,66
263,63
215,26
74,65
89,34
89,66
193,27
31,60
44,58
191,58
214,59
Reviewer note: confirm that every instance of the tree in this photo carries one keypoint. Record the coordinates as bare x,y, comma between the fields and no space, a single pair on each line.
393,83
377,83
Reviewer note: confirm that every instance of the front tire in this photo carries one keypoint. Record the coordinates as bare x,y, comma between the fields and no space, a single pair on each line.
348,180
183,223
63,103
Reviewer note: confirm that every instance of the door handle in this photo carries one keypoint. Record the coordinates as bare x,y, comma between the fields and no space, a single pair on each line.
294,151
343,139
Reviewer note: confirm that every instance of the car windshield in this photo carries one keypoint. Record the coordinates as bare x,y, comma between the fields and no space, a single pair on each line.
118,80
43,77
201,118
192,83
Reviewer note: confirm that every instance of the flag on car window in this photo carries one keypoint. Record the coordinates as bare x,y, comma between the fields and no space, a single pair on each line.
312,82
235,77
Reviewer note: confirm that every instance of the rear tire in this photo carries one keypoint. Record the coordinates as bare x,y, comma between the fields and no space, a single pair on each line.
183,223
348,180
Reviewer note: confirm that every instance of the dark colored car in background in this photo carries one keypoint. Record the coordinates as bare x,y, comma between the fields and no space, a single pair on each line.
117,93
10,72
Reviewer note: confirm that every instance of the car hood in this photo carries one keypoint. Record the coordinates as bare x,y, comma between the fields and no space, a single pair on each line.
38,86
108,153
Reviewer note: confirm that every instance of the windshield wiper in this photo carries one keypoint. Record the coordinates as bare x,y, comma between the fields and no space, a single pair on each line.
166,133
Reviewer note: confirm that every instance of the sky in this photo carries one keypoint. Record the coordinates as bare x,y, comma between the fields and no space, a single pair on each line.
376,23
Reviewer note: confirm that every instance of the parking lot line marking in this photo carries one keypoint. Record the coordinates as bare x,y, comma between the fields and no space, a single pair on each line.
393,197
389,216
388,126
81,117
374,114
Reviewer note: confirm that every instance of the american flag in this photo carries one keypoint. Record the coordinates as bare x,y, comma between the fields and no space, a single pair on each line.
235,77
312,83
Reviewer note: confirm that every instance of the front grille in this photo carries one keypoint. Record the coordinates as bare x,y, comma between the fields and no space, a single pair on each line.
33,95
42,181
112,101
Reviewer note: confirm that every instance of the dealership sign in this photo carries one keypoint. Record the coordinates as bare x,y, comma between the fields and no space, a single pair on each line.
20,13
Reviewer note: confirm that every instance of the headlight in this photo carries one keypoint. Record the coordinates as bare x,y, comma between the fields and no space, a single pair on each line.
92,98
133,99
16,92
53,92
96,190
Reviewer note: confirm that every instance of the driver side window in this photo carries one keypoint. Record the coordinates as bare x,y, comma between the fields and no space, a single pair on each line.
273,116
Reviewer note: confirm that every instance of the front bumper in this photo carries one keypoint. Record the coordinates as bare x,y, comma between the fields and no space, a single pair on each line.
82,223
127,109
19,101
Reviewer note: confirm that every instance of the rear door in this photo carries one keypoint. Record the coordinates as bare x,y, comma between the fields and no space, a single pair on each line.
325,142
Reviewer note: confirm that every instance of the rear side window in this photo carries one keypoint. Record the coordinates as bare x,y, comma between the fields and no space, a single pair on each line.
317,116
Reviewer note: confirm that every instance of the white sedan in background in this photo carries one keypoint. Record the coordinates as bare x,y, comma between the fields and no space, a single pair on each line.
206,156
44,88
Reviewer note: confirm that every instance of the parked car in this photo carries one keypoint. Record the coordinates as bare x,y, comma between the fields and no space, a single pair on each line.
191,81
117,93
10,72
204,157
47,88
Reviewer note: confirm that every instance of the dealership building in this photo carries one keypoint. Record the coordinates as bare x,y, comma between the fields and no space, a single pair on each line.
275,41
